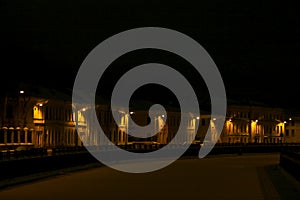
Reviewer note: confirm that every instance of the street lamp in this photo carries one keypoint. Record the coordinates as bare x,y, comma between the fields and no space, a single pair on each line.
26,99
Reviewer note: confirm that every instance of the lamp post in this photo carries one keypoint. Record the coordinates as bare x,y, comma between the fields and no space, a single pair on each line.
26,99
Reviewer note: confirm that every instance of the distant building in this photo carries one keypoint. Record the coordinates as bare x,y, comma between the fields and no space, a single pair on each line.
45,118
292,129
254,124
36,119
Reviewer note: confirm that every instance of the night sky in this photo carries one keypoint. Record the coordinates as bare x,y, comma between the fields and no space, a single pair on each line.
255,44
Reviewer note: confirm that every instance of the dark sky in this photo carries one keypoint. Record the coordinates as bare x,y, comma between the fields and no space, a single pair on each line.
255,44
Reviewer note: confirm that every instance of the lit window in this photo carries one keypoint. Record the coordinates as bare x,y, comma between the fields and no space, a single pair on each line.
37,113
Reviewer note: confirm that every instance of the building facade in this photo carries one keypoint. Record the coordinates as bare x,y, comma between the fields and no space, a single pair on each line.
292,129
48,120
254,124
33,121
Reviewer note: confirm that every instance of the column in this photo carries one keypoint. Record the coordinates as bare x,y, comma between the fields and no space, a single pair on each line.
72,137
50,137
19,135
47,138
25,134
12,132
5,134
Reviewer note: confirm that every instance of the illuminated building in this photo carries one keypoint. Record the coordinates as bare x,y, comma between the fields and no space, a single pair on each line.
292,129
45,118
36,120
254,124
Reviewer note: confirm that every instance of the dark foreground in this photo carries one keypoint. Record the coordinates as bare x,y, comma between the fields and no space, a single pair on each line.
252,176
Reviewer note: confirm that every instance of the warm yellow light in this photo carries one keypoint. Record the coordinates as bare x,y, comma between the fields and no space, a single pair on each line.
197,117
22,92
256,120
162,115
290,119
284,122
131,112
83,109
230,120
40,104
214,119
